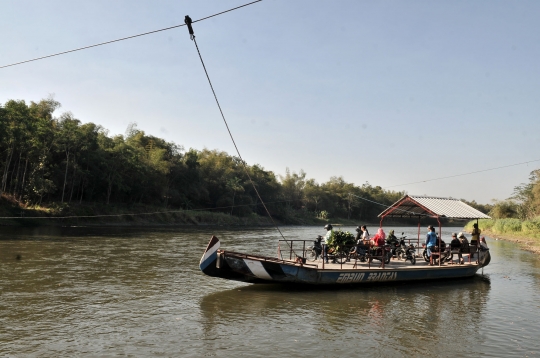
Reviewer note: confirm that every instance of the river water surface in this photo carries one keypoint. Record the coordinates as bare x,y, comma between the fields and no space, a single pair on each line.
139,292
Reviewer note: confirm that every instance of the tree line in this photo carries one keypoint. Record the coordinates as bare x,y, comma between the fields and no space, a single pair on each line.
524,204
46,160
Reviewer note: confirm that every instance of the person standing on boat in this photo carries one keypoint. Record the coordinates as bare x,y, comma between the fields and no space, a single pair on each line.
327,239
475,239
431,241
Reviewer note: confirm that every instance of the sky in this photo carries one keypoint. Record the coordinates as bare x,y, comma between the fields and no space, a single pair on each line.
385,92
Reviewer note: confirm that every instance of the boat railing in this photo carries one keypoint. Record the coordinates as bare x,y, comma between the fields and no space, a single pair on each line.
290,250
294,248
265,258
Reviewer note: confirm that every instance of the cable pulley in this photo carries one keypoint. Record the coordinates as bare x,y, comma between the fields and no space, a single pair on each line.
188,21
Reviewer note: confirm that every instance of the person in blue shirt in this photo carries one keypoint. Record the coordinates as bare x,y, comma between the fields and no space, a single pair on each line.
431,241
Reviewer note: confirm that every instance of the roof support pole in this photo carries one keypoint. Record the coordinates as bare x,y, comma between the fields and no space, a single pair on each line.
418,230
382,218
440,240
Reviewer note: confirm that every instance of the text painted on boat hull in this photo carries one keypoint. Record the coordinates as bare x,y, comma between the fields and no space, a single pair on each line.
350,277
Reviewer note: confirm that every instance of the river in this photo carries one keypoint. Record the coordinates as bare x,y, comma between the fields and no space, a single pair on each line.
139,292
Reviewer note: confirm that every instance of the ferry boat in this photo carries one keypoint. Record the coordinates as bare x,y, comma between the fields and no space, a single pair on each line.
291,268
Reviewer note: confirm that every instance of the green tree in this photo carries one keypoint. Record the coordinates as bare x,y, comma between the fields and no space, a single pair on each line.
527,196
505,209
14,120
68,141
234,186
313,194
292,186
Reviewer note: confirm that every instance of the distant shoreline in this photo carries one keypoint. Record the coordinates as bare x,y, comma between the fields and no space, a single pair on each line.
522,232
525,243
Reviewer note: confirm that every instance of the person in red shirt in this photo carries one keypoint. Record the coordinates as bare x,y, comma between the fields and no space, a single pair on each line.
379,238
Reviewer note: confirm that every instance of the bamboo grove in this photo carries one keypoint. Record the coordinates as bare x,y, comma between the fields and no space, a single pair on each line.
47,160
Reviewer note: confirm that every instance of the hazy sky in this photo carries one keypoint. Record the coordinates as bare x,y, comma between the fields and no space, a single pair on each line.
389,92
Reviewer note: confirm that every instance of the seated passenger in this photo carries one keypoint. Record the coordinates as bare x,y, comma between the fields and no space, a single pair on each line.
455,245
360,247
465,248
483,243
379,238
392,240
440,245
365,234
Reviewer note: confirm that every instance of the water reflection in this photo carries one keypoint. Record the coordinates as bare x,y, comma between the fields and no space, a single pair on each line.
400,317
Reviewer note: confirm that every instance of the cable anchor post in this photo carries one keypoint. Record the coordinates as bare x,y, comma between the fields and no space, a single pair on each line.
188,21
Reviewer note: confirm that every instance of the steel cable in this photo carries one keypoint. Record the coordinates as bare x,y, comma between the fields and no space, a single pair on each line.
459,175
124,38
233,141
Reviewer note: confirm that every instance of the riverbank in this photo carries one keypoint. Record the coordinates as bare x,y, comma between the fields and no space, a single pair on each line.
97,214
101,215
525,233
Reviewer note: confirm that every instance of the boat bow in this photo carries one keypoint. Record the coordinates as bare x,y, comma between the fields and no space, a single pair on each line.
207,264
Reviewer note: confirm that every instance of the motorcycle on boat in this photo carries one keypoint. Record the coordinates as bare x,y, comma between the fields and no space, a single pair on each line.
314,252
446,255
381,253
406,252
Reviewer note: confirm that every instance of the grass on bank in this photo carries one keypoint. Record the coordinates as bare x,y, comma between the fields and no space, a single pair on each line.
525,232
99,214
96,214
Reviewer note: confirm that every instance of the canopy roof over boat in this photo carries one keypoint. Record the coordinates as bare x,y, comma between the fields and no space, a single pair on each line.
428,206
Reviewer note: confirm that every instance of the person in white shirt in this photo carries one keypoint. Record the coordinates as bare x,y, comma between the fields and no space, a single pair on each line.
327,237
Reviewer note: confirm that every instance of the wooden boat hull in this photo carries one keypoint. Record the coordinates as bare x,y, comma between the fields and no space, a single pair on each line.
261,269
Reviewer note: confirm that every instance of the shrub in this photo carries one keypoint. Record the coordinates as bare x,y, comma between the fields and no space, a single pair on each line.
505,209
340,239
531,226
323,215
503,226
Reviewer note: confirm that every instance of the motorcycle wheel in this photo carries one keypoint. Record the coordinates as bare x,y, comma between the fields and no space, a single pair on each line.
341,257
413,260
425,256
400,255
387,258
310,255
